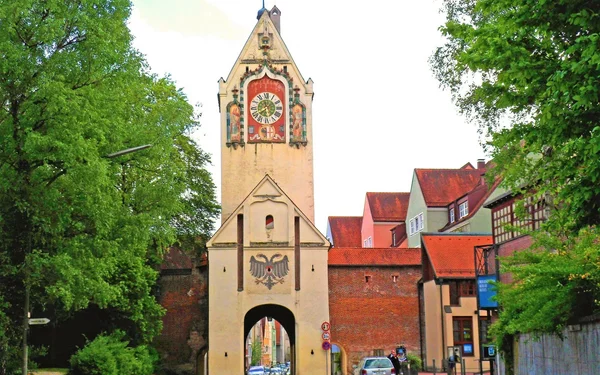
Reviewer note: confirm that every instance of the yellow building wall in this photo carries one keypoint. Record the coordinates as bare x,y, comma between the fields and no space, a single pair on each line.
438,338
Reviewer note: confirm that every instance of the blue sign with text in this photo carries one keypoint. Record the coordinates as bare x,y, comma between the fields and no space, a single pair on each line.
486,291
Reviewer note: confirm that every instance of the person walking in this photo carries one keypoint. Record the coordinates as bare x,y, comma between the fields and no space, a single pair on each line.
395,361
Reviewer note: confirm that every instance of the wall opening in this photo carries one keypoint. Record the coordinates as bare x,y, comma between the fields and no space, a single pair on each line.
269,338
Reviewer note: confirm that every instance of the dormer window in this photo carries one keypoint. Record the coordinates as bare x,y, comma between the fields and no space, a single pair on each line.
394,238
452,218
463,209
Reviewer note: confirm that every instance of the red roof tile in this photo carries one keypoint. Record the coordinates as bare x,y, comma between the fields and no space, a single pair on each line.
176,259
345,230
442,186
388,206
356,256
452,255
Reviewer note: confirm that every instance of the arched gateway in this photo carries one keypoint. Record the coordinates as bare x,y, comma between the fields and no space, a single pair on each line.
267,259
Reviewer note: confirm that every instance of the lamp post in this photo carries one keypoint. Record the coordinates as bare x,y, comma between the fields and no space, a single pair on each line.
27,290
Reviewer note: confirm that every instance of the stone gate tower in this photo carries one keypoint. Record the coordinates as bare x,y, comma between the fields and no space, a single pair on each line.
267,258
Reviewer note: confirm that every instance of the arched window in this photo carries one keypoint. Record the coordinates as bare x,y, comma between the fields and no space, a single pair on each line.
269,222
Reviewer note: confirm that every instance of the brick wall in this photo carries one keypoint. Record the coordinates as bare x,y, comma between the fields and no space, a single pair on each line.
378,314
184,294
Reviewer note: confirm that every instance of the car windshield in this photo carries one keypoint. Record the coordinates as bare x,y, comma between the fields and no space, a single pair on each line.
378,363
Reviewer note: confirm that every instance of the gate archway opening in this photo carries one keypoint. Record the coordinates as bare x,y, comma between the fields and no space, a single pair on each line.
267,316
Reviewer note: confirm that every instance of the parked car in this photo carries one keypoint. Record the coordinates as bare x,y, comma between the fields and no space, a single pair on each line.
256,370
376,366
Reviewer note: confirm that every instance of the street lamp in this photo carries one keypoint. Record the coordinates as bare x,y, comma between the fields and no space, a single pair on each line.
26,320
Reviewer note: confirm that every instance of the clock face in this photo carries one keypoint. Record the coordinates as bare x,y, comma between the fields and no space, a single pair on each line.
266,108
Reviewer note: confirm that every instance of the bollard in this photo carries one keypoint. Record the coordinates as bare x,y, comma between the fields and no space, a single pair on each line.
434,369
462,367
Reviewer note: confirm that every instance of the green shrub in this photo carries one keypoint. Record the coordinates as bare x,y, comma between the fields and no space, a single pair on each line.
110,355
415,362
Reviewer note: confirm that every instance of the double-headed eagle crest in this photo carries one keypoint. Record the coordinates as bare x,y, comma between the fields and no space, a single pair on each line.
270,271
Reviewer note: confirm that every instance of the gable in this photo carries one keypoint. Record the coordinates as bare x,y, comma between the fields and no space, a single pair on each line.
268,220
252,54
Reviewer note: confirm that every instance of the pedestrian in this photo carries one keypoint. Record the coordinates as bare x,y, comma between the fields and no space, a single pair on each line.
395,361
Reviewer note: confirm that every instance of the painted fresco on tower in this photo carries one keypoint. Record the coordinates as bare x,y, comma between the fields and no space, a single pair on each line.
233,124
266,111
298,123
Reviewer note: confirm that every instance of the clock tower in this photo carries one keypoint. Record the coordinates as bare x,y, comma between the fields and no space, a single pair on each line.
266,121
267,259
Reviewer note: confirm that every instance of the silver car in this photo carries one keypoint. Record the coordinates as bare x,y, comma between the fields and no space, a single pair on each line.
376,366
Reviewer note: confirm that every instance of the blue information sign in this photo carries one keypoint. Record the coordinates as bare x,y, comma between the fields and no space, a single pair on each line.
486,291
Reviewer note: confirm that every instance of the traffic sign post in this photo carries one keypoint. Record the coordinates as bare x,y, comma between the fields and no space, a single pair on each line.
326,336
325,326
326,345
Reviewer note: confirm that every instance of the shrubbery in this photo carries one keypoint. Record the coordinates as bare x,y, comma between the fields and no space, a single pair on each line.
111,355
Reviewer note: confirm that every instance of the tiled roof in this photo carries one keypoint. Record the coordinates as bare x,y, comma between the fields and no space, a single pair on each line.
442,186
388,206
357,256
452,255
176,259
478,204
345,230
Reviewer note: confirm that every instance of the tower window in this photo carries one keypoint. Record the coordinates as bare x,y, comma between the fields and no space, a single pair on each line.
269,222
285,68
247,69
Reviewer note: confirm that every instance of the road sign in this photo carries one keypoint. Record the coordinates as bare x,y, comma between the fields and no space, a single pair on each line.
489,352
326,345
326,336
325,326
38,321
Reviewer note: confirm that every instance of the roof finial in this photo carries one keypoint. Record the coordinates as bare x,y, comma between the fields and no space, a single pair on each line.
260,12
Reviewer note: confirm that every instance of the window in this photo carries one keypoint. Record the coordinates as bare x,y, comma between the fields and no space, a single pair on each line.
485,330
394,238
416,224
463,209
269,222
461,288
367,278
364,243
505,215
452,219
369,242
394,278
462,327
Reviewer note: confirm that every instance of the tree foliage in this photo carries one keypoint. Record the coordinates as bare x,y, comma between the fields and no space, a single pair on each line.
528,73
111,355
77,227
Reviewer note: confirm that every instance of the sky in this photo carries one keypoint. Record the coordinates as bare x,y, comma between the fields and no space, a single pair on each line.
378,111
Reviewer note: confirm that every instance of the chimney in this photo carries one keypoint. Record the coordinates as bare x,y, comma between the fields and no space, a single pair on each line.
480,164
275,14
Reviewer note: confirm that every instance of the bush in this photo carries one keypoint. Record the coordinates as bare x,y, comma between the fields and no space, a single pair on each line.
415,362
110,355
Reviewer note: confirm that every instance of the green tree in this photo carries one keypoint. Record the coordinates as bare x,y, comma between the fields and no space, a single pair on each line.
78,228
528,72
256,353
